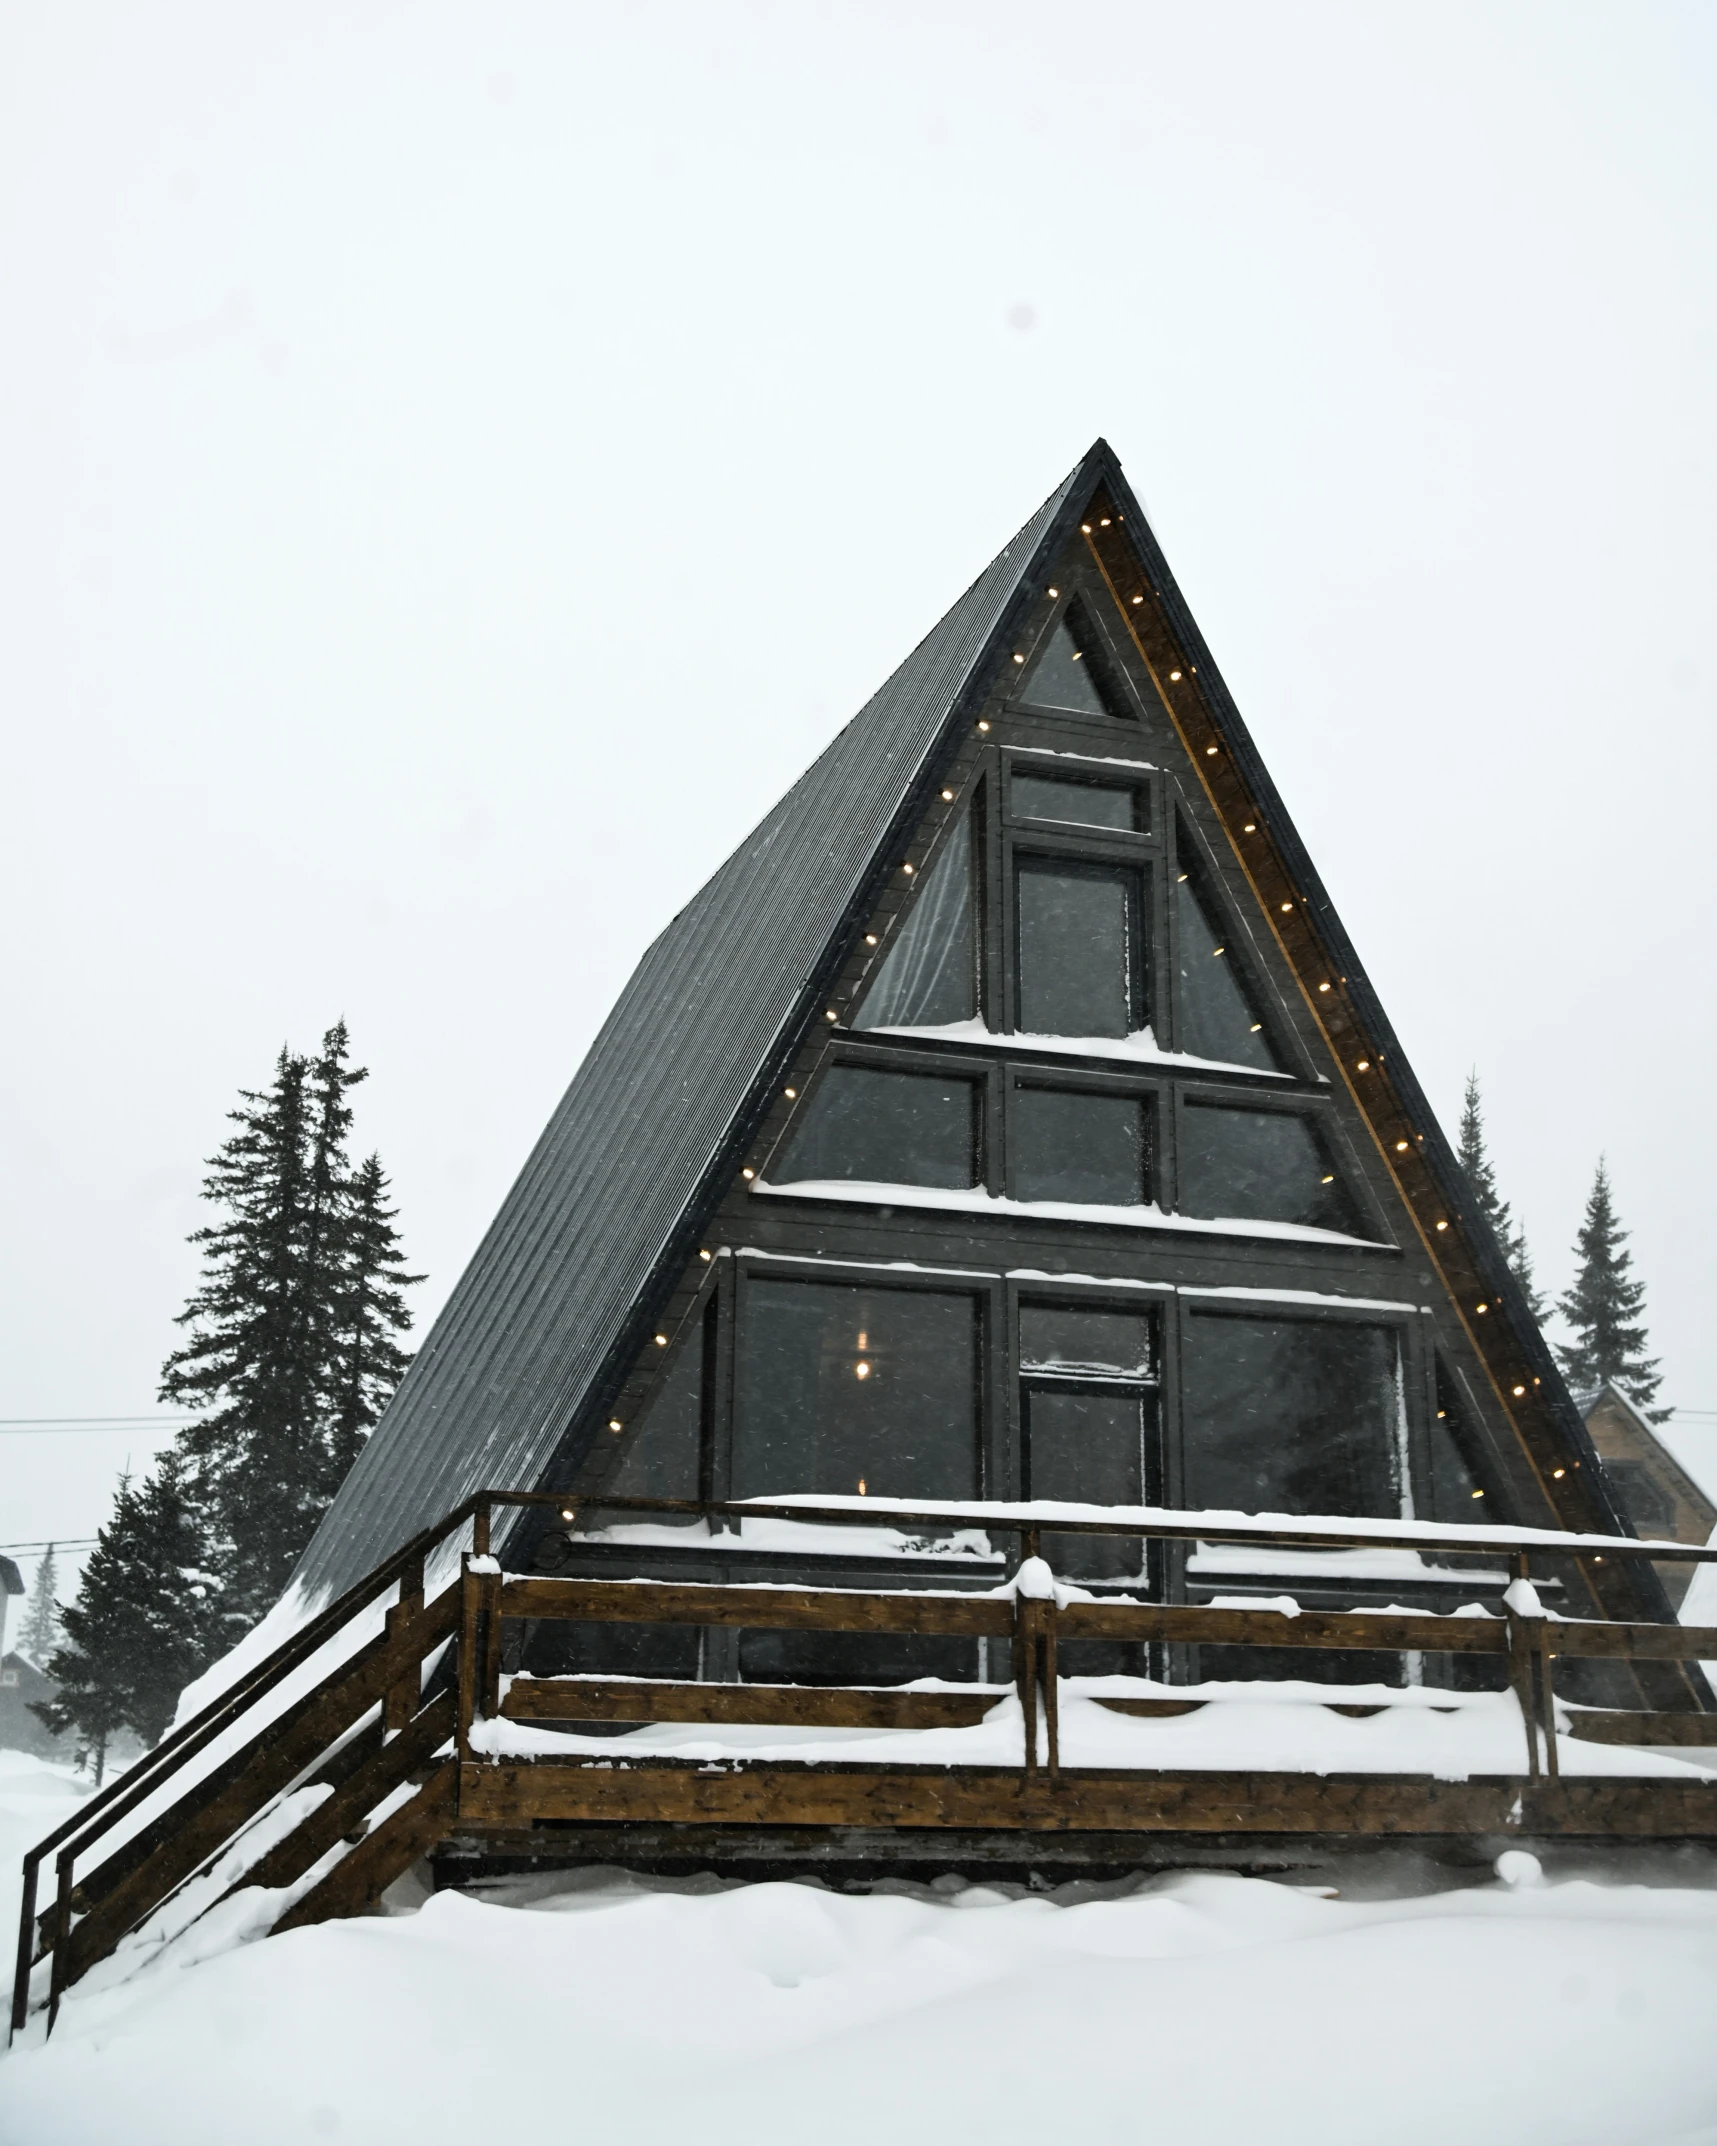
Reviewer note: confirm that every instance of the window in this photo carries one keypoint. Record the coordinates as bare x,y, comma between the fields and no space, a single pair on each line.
929,977
1081,949
1217,1019
1290,1416
1090,1416
1260,1165
663,1457
1089,1149
1078,802
885,1128
1069,675
1460,1494
1645,1501
842,1387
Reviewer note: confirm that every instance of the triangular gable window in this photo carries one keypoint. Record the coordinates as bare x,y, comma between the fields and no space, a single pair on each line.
1068,675
1217,1017
929,976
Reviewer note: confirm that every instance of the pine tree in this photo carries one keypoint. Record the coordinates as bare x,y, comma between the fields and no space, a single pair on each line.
41,1629
371,1311
1604,1308
291,1349
145,1621
1481,1175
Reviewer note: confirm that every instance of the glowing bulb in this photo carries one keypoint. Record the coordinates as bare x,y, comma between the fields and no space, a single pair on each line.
1104,523
870,938
1478,1493
831,1015
861,1486
1084,528
861,1371
704,1255
1558,1473
748,1175
1209,751
568,1512
983,726
1286,906
1181,881
792,1094
1365,1065
1442,1225
1250,828
1256,1025
1518,1391
661,1341
1484,1307
614,1423
1138,599
1330,1180
1019,659
1400,1147
908,869
1323,987
947,797
1217,950
1055,592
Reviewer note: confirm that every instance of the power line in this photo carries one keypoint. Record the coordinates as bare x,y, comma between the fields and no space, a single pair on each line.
24,1426
58,1542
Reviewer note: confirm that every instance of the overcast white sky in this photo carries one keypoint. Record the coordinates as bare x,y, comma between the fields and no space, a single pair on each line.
457,465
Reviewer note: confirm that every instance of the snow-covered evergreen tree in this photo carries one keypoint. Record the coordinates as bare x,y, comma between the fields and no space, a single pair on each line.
145,1621
291,1349
40,1633
1604,1307
1481,1175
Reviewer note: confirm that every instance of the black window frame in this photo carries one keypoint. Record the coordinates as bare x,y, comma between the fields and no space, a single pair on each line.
1319,1110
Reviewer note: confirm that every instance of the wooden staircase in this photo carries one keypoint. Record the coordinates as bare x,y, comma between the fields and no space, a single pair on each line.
365,1743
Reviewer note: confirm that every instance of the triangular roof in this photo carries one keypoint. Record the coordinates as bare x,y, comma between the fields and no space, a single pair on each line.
563,1289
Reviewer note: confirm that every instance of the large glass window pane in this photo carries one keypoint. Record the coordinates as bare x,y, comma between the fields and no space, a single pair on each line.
1290,1416
929,977
884,1128
1079,950
841,1387
1086,1148
1068,675
1259,1165
1088,1447
1071,1338
1217,1019
1077,804
664,1450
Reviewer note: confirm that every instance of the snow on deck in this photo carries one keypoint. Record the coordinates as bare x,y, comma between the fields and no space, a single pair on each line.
1286,1727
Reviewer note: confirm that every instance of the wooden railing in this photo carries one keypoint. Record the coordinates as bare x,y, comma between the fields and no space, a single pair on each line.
375,1748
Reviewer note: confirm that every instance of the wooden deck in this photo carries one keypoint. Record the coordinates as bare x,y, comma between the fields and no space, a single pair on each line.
402,1750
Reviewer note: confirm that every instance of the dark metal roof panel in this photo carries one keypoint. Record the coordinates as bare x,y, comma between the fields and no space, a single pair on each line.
531,1322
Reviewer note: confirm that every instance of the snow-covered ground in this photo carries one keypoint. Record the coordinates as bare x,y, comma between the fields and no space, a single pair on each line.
1198,2010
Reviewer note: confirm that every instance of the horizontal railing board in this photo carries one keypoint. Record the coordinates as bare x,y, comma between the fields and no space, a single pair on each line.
800,1609
792,1705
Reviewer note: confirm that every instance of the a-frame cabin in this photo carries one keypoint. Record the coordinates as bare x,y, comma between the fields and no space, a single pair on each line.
1010,1117
1006,1154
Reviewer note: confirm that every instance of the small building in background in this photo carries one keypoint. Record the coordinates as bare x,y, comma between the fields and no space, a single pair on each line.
1652,1487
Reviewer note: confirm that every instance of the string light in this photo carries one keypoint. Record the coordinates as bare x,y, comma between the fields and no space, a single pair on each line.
831,1015
1256,1025
861,1371
1104,523
1209,751
568,1512
748,1175
1250,828
1055,592
1484,1307
1084,528
1323,987
947,797
983,726
1478,1493
1181,881
706,1255
1442,1225
1518,1391
1138,599
1286,906
661,1341
1019,659
1217,950
1330,1180
1365,1065
861,1486
909,869
1400,1147
792,1094
1557,1474
614,1424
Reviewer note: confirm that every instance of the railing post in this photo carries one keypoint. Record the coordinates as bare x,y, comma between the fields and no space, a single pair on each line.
403,1695
1051,1688
468,1598
62,1933
1529,1669
26,1942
